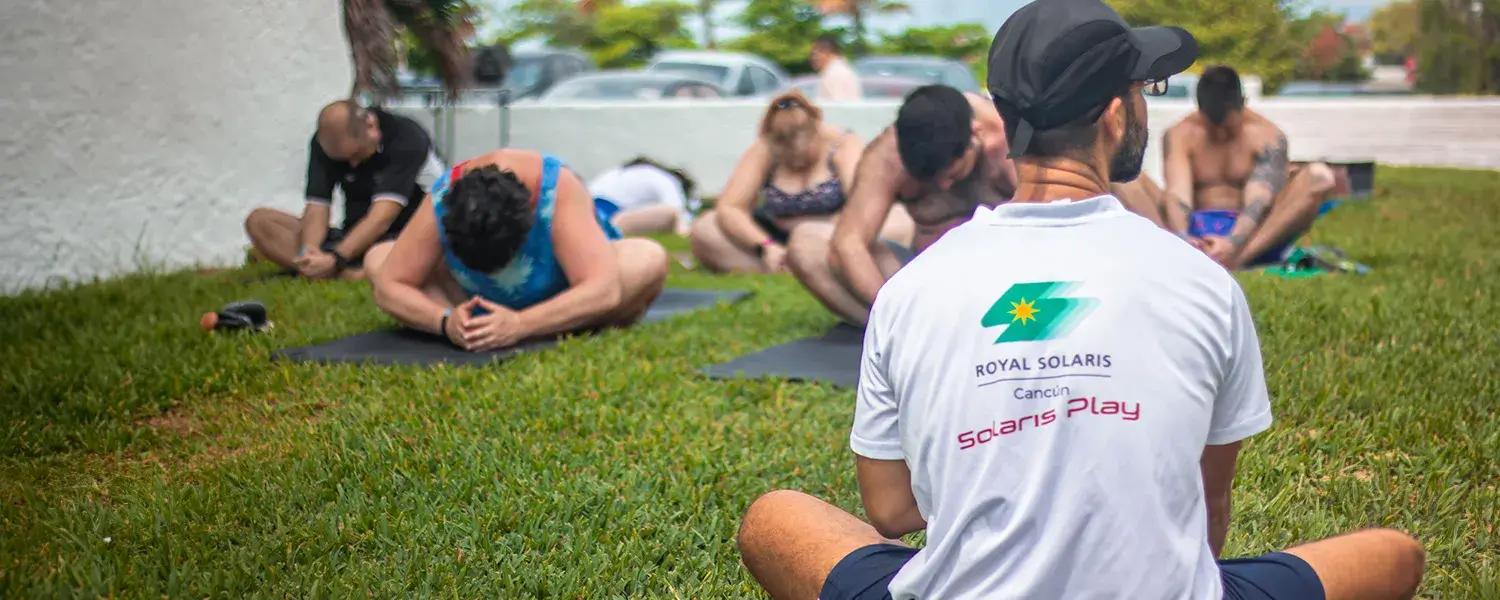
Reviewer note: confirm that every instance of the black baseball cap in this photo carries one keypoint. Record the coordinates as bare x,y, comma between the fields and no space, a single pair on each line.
1054,61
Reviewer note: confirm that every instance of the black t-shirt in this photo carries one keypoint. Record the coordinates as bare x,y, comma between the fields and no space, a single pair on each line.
401,171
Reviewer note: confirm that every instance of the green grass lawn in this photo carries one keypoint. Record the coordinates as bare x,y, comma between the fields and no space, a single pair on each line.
141,457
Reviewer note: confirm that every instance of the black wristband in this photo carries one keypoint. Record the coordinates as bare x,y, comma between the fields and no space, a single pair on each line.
339,262
443,326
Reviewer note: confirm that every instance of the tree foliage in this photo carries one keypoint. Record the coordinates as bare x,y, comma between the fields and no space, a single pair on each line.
614,34
857,11
1256,37
1394,29
782,31
965,42
1458,49
1332,55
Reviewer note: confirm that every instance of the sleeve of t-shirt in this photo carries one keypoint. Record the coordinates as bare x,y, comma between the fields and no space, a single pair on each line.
877,419
1243,406
396,181
319,180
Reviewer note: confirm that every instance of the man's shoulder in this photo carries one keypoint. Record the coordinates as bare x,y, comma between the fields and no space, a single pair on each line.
1187,128
404,132
1261,130
881,152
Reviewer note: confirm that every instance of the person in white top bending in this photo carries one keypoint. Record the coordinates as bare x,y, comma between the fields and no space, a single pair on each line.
651,197
1057,390
837,81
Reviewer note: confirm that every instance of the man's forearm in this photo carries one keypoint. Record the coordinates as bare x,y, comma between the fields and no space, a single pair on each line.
314,226
575,307
858,267
1257,204
364,234
410,305
1218,523
1178,212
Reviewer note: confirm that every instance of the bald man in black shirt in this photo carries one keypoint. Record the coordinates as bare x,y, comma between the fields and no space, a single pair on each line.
383,163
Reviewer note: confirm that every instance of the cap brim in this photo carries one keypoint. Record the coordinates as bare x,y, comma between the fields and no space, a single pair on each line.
1165,51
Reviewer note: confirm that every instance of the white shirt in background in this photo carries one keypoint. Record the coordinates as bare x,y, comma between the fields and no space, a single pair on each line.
639,186
1051,373
838,82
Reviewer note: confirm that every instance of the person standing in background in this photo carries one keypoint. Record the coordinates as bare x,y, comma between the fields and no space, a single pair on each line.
837,81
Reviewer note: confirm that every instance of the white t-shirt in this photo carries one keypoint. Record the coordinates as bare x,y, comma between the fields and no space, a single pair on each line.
1050,373
839,83
639,186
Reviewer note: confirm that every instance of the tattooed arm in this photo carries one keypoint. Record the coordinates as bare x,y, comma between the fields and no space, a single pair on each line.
1178,169
1265,183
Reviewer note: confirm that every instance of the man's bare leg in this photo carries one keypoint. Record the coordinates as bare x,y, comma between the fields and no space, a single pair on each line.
1375,564
790,542
643,274
275,235
807,258
1142,197
647,220
717,251
1292,212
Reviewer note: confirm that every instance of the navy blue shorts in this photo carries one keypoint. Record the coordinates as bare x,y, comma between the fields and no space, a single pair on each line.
866,574
1274,576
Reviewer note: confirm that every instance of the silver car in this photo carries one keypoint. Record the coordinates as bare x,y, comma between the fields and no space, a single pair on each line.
739,73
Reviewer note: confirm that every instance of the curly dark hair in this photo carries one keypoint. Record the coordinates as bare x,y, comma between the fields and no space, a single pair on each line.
489,214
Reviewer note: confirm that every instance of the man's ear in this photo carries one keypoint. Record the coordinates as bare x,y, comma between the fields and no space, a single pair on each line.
1114,119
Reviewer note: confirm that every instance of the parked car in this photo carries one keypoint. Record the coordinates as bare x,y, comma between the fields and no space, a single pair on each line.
742,74
533,72
927,69
632,85
874,86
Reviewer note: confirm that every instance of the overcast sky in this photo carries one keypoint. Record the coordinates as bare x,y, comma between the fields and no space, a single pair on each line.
941,12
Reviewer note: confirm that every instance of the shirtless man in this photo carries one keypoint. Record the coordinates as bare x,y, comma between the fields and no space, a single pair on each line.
1230,188
945,156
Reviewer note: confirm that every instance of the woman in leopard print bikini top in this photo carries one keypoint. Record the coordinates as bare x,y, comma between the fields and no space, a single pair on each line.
794,142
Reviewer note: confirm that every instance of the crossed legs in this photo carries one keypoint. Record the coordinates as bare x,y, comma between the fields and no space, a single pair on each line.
1292,212
807,258
790,542
719,252
277,236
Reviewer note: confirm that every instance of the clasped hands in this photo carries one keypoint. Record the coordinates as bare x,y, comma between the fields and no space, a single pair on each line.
316,264
499,327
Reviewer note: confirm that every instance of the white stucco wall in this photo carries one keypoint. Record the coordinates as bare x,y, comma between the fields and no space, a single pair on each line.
707,137
143,132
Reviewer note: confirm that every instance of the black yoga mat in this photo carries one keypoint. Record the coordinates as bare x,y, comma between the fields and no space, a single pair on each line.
832,357
410,347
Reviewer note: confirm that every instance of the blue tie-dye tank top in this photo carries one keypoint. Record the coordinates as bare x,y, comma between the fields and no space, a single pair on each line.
534,275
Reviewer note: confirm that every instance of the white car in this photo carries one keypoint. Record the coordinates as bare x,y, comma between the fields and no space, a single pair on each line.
742,74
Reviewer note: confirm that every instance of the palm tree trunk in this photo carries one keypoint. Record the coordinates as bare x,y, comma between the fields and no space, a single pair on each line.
371,32
857,14
706,12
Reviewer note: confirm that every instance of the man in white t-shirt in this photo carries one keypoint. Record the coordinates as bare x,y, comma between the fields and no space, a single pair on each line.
1057,390
837,81
650,197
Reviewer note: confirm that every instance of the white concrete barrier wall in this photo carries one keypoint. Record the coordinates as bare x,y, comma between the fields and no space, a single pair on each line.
142,133
707,137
